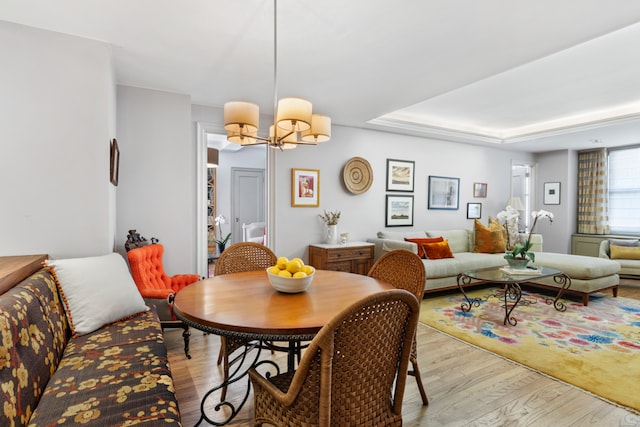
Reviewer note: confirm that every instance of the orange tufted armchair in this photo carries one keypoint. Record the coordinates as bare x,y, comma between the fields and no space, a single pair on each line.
157,288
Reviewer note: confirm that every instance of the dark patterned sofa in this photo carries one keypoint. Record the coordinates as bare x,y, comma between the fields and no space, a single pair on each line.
117,375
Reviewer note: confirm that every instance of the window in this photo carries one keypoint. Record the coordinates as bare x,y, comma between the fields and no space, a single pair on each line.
624,190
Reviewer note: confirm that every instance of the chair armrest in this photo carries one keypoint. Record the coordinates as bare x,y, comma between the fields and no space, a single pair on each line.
604,250
179,281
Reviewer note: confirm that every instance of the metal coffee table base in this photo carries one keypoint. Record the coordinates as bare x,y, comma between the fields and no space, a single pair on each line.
512,292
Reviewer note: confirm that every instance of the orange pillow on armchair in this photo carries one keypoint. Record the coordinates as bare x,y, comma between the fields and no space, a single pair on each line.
423,240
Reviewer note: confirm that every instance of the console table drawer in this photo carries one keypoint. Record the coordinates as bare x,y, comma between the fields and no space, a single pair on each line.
355,257
350,253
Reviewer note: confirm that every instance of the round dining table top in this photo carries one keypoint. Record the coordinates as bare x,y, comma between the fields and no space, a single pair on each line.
245,305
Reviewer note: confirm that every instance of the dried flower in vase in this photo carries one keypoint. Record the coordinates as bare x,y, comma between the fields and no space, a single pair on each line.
330,218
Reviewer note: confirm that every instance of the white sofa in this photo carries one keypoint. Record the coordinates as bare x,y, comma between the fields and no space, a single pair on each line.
588,274
628,267
443,273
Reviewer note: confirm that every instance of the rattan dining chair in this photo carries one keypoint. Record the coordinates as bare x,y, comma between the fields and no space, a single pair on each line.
239,257
404,270
353,372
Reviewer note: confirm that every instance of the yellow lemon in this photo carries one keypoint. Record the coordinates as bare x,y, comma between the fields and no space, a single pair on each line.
298,259
300,274
282,262
284,273
308,269
294,266
274,270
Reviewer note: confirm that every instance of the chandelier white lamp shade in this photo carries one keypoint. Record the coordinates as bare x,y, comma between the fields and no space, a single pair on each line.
320,130
294,114
293,117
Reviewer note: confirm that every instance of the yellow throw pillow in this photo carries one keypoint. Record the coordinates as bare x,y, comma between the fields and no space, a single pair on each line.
488,240
624,252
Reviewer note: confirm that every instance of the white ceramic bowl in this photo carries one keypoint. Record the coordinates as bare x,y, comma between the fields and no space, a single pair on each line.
290,285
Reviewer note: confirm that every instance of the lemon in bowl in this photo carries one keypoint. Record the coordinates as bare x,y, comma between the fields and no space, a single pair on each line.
291,283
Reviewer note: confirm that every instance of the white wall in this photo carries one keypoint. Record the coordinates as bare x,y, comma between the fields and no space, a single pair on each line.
556,166
57,113
157,186
364,215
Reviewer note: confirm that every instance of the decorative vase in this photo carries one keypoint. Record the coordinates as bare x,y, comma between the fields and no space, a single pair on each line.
221,247
332,234
518,264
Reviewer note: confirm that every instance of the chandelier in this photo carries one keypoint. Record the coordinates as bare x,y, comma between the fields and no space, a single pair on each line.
293,124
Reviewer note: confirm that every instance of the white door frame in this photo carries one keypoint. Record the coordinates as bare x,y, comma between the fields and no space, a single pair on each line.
202,129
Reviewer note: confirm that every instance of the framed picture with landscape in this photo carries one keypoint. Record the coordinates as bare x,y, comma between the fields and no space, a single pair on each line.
400,175
399,211
305,187
444,192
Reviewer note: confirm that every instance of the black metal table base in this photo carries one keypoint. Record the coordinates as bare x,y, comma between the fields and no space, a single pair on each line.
224,411
512,294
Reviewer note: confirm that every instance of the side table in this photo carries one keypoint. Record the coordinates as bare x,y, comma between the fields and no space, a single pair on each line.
352,257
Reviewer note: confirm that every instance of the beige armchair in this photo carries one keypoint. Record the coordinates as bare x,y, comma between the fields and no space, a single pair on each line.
628,255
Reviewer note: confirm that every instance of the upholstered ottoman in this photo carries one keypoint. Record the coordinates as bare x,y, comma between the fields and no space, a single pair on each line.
588,274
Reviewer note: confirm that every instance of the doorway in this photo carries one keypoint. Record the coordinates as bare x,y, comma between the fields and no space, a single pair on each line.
247,198
522,188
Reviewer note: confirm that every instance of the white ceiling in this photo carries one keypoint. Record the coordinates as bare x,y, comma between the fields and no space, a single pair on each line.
528,75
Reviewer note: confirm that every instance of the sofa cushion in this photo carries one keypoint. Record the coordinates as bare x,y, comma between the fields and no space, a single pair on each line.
488,240
400,235
578,266
458,238
437,250
116,376
624,252
421,241
462,261
33,334
624,242
96,291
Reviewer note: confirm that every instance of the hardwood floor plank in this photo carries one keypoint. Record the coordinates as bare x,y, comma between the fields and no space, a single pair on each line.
466,386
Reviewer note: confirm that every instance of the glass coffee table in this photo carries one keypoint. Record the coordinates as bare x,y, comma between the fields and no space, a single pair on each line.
511,280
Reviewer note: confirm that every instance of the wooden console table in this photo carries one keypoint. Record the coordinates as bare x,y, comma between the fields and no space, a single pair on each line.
352,257
14,269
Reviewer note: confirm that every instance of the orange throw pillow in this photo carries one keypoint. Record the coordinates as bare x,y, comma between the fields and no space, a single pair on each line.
488,240
437,250
423,240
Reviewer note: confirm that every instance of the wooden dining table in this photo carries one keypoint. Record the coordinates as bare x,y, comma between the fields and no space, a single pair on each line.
244,305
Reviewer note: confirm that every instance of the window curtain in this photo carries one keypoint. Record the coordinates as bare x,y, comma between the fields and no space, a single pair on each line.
593,198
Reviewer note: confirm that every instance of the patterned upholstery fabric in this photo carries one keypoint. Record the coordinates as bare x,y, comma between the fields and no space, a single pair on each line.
117,375
34,332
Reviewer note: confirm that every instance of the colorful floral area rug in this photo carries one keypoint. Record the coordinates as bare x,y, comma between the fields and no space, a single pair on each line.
595,348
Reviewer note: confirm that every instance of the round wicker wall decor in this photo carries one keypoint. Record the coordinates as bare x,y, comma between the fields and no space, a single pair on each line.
357,175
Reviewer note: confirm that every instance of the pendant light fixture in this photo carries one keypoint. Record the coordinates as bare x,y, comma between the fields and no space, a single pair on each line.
294,120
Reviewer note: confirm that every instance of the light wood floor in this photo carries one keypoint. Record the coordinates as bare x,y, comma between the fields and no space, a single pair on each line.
465,386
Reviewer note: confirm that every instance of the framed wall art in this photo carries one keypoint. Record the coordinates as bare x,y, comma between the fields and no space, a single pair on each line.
444,192
114,166
399,211
551,193
479,189
400,175
474,210
305,187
